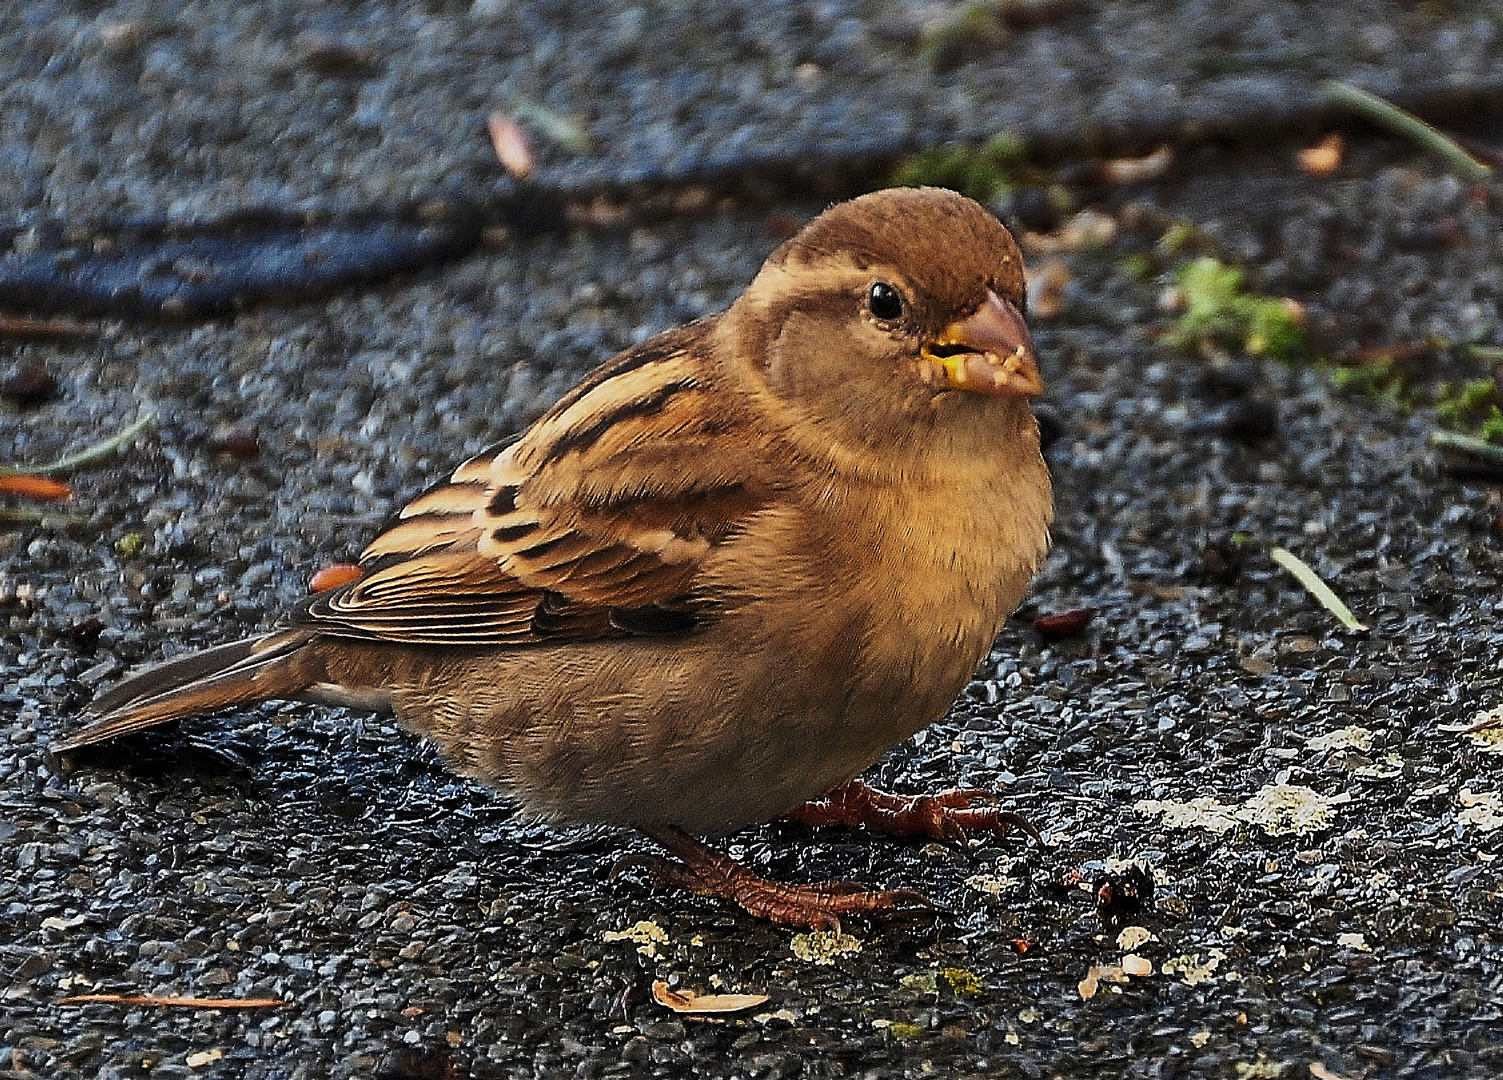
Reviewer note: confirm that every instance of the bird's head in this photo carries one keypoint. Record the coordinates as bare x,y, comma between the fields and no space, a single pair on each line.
895,317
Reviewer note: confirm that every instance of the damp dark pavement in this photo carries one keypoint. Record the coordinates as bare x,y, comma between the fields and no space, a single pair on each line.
279,233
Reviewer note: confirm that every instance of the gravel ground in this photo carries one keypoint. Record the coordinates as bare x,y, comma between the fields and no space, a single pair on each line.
1329,909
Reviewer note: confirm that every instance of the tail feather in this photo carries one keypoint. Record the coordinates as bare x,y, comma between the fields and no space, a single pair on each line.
235,674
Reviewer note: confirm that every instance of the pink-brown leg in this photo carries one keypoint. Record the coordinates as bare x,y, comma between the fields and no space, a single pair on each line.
946,816
818,906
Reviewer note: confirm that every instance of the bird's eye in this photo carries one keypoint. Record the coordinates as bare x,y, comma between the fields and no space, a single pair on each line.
885,302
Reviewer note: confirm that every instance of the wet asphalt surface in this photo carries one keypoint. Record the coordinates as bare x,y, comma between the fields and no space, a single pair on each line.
410,923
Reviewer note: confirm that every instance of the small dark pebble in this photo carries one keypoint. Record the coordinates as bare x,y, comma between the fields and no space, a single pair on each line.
85,634
1247,421
1473,470
1033,208
236,442
1120,895
1063,624
1221,560
418,1063
1039,13
18,596
29,387
331,56
1228,380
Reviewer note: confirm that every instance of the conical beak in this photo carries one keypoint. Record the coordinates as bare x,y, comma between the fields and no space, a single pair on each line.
988,353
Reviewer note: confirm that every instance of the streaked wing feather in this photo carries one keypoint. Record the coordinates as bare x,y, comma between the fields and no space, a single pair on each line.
604,508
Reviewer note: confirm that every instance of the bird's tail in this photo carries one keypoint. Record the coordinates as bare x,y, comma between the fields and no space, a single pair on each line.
239,673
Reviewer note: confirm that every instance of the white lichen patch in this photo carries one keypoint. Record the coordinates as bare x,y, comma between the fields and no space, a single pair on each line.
1204,813
1279,810
1489,740
1353,941
1192,970
1290,809
992,885
1488,718
823,946
1347,738
1132,937
1259,1070
1385,768
1098,974
1482,810
647,934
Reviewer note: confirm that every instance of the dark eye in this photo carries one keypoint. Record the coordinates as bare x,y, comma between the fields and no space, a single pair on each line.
885,302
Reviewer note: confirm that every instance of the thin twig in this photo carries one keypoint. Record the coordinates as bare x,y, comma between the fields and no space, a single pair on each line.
33,487
1469,445
86,456
1386,114
1316,587
1492,354
174,1002
552,125
24,328
12,515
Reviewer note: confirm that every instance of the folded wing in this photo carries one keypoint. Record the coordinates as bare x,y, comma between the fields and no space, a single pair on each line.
595,523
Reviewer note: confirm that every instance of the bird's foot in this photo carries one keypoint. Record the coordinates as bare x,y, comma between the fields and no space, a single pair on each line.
817,906
945,816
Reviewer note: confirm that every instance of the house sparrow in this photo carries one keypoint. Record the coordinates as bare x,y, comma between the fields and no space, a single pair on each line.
723,575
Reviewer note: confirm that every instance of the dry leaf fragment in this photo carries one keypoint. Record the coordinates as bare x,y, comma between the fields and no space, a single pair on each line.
687,1001
510,143
34,487
1132,170
1324,158
1088,229
1046,289
1320,1072
204,1057
1133,964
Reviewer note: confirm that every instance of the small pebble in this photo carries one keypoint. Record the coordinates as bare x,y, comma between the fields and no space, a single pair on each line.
236,442
29,387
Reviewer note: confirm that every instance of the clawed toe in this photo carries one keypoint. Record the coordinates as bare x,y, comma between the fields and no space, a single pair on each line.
817,906
946,816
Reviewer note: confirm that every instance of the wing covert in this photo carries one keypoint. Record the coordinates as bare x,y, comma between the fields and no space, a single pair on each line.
594,523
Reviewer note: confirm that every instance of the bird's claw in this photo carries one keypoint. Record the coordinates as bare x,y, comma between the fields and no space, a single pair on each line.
815,906
945,816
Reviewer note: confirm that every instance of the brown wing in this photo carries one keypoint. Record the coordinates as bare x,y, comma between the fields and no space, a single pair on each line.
594,523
